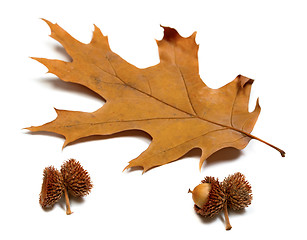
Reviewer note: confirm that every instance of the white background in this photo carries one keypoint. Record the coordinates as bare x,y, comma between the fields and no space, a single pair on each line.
263,40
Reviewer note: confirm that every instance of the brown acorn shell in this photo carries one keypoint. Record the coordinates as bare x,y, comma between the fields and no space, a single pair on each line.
52,187
216,199
238,191
76,179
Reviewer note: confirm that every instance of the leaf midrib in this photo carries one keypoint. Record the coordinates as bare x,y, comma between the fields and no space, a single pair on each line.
174,107
192,115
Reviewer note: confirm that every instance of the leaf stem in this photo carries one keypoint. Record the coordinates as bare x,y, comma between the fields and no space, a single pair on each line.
68,211
282,152
228,226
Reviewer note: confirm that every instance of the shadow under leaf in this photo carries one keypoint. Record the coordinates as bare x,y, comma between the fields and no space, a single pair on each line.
58,84
222,155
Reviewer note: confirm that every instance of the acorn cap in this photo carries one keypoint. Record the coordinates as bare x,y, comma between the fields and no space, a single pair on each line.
76,179
238,191
216,199
52,187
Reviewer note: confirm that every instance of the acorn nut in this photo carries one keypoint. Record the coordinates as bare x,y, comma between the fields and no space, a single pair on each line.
211,196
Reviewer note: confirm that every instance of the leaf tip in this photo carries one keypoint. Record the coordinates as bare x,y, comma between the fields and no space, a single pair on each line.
202,160
32,129
97,31
57,111
43,61
35,58
200,165
130,165
50,24
258,104
27,128
126,168
244,80
65,144
169,33
193,36
54,28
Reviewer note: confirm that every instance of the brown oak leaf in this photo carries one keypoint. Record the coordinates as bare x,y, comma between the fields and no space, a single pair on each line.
169,101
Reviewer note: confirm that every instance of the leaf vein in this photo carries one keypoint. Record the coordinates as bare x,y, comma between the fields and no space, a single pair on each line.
123,121
232,108
185,84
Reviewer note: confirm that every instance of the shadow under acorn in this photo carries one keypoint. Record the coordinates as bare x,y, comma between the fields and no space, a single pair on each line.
73,201
232,213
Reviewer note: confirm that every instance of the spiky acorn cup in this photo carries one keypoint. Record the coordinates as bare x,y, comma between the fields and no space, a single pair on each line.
238,191
52,187
211,196
77,181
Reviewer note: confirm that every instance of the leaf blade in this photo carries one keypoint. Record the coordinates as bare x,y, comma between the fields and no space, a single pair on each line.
169,101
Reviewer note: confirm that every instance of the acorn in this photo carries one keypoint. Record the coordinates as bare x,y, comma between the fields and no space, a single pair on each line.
76,180
211,196
200,194
238,191
52,187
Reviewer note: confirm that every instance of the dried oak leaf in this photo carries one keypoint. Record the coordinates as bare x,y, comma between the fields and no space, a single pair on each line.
169,101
